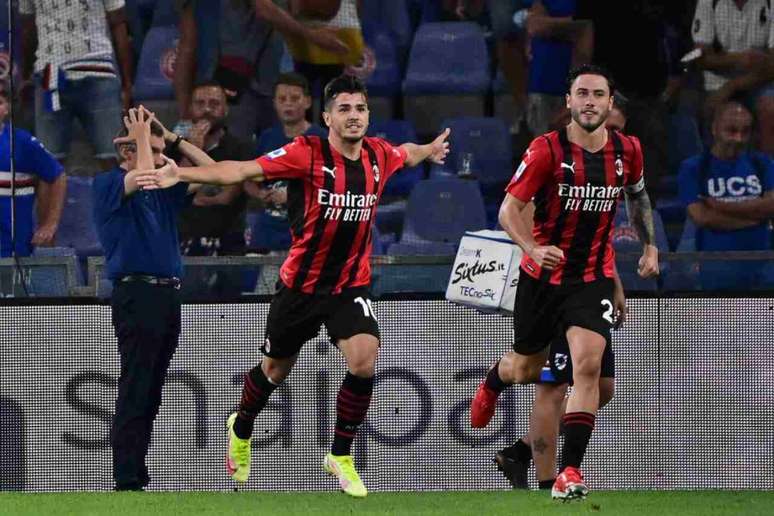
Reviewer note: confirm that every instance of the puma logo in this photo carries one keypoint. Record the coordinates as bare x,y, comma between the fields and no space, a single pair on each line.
331,171
571,166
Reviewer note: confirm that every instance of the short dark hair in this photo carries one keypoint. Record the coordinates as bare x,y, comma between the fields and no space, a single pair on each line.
590,69
293,79
209,83
343,84
621,103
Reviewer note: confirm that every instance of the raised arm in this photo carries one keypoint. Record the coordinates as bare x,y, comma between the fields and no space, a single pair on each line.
435,151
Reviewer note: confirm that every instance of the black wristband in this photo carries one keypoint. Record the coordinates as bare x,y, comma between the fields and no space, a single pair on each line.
175,144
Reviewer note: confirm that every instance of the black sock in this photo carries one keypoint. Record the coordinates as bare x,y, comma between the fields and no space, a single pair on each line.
577,432
546,484
520,451
351,407
493,380
255,393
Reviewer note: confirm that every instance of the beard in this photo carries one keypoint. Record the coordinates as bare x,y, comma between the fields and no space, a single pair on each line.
216,122
589,127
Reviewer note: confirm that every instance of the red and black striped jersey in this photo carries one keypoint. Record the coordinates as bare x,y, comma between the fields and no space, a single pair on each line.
576,194
331,207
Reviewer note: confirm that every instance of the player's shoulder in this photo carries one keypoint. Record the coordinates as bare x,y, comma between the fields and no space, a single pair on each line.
376,142
631,144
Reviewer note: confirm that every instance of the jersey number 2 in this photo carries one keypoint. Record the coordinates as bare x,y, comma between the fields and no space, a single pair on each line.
608,314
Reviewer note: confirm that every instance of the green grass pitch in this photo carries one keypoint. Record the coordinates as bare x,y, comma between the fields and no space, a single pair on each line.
477,503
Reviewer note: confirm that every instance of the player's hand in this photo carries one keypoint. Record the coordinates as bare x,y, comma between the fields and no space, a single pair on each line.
619,305
439,148
163,177
546,256
326,38
44,235
648,265
169,136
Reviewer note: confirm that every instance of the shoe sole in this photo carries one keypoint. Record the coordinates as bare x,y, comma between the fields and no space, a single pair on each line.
576,492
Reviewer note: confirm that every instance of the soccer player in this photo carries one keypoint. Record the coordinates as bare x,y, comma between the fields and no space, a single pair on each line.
575,176
334,186
551,390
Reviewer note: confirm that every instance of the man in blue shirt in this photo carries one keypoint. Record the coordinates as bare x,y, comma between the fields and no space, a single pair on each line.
292,98
138,231
37,172
729,195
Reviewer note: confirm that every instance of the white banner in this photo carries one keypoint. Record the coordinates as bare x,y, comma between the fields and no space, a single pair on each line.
485,272
692,407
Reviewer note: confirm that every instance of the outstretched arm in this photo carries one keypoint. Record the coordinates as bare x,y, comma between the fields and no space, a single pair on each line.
220,173
641,218
435,151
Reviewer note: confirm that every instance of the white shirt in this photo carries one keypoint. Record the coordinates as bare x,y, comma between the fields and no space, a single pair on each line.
73,34
734,29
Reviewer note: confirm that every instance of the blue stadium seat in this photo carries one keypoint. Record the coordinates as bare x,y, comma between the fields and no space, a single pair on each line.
489,142
684,140
440,211
447,74
684,275
51,281
626,240
386,79
385,82
448,58
392,17
398,132
154,69
76,228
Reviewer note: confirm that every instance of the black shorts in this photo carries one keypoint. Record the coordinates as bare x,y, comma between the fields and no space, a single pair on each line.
558,368
296,317
544,311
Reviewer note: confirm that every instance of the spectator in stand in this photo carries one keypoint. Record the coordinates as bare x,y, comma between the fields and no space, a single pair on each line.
292,98
736,39
75,73
729,195
37,172
214,224
557,42
320,65
250,50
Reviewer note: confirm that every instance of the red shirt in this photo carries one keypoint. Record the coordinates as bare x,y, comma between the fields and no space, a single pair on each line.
576,194
331,207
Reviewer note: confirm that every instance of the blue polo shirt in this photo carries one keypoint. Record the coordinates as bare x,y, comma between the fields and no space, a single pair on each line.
731,181
33,163
138,232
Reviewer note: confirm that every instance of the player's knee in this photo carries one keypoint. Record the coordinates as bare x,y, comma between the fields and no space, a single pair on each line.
586,370
363,363
525,372
276,370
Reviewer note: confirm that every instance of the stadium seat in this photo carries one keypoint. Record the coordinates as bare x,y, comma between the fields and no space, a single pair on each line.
684,275
488,141
385,81
626,240
52,280
391,17
153,81
447,74
439,212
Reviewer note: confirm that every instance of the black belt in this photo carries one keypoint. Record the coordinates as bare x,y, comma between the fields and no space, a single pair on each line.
151,280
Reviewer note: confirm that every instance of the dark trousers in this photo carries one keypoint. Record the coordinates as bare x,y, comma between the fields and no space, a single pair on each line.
146,319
